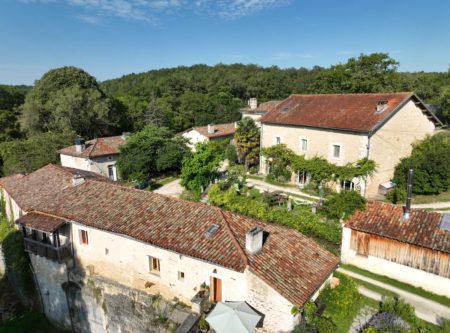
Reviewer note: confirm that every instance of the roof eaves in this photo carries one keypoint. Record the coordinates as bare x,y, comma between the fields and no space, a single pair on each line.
319,127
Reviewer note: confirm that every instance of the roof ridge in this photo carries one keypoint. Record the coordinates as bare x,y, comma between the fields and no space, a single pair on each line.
233,238
358,94
46,214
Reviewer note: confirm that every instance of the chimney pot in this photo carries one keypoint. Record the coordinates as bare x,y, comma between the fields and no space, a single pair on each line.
80,144
254,240
77,180
253,102
211,129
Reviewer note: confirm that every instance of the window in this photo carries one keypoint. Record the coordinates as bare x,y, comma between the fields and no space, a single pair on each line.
84,237
180,276
111,172
347,185
304,145
336,151
277,140
154,265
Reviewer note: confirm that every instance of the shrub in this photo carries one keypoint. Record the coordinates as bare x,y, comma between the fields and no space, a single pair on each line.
398,194
230,154
190,196
344,204
400,308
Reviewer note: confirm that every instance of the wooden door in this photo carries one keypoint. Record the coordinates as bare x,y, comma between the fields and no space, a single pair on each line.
217,290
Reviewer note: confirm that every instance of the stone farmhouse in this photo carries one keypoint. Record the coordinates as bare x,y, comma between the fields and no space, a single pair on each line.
414,249
210,132
76,220
255,111
344,128
97,155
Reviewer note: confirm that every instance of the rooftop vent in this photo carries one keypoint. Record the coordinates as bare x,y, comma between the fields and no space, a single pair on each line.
254,240
78,180
211,129
211,230
253,103
80,144
382,105
445,223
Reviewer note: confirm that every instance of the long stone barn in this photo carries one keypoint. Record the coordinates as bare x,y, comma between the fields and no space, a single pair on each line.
83,229
414,249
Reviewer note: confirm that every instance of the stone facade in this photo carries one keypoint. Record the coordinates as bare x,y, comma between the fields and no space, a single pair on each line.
386,146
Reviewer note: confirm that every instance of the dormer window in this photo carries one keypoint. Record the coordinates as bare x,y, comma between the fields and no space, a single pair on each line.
381,106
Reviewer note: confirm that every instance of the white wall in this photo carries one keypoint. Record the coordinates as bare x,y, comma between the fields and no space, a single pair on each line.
98,164
431,282
131,268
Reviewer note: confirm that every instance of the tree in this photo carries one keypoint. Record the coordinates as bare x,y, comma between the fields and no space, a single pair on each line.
149,152
344,204
9,126
444,101
247,138
31,154
376,72
430,161
201,168
154,114
68,99
279,158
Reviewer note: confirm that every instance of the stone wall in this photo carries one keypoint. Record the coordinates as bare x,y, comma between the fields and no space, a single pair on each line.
79,303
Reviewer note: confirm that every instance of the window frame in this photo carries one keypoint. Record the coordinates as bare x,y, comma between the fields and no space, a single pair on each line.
333,150
85,231
277,138
181,278
151,261
302,141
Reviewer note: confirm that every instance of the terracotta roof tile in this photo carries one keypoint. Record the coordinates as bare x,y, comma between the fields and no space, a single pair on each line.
291,263
220,130
421,229
355,112
41,221
261,108
97,147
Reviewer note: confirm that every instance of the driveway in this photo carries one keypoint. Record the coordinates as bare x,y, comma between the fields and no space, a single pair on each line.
172,189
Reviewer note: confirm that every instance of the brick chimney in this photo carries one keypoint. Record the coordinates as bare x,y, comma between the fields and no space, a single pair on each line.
253,103
254,240
80,144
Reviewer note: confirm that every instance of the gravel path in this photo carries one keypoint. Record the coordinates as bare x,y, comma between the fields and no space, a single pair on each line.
173,189
362,319
425,309
433,205
262,185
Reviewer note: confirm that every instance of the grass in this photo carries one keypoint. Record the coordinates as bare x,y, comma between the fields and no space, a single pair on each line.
401,285
28,322
431,198
156,185
375,288
255,177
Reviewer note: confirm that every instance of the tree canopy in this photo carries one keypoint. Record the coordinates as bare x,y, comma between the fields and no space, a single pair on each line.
150,152
247,142
68,99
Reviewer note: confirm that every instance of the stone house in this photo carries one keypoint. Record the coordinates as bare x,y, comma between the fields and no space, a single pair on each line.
210,132
161,245
344,128
414,249
97,155
255,111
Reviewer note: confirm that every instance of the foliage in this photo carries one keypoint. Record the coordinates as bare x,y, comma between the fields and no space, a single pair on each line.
68,99
300,218
344,204
247,137
10,128
154,114
231,154
28,322
376,72
235,175
31,154
400,308
279,159
429,159
444,101
397,195
190,196
149,152
200,168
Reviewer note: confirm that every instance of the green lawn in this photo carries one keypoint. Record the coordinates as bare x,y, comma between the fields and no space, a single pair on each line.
401,285
423,199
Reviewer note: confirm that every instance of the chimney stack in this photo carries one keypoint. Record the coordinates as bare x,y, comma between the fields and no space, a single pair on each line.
253,103
408,195
254,240
125,135
79,144
77,180
211,129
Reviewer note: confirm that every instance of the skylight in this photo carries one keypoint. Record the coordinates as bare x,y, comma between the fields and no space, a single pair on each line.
212,230
445,224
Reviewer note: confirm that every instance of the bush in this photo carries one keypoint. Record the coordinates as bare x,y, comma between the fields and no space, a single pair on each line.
398,194
400,308
230,154
190,196
429,159
344,204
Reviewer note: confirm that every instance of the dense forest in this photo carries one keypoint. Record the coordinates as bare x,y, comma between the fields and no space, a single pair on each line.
68,101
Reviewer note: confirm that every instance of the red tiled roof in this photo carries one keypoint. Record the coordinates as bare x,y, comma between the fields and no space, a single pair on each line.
29,190
291,263
352,112
262,108
97,147
219,130
386,220
41,221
